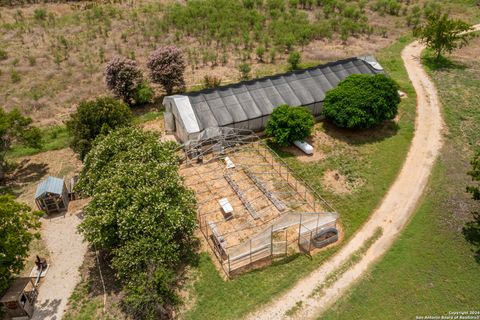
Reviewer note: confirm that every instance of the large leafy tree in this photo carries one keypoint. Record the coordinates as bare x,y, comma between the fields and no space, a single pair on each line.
141,213
472,228
287,124
362,101
15,128
17,229
167,66
95,117
442,34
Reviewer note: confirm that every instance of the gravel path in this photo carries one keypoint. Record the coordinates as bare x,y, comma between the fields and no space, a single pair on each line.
392,215
67,251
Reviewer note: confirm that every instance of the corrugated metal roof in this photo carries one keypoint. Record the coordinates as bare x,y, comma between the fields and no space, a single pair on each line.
51,184
246,100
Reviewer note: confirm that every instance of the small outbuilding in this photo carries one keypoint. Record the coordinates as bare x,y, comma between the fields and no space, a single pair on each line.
52,195
19,299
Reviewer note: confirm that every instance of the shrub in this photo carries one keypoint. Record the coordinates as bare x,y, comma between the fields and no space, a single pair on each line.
211,81
122,77
167,67
18,225
294,60
141,214
362,101
244,69
96,117
32,61
15,76
260,53
40,14
143,93
287,124
3,55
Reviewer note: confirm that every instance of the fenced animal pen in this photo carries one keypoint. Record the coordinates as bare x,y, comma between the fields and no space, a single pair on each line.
251,207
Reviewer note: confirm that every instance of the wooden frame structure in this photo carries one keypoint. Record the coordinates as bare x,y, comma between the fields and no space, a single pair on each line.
52,195
19,299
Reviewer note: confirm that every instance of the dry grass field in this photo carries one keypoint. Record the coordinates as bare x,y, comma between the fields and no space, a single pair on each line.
53,55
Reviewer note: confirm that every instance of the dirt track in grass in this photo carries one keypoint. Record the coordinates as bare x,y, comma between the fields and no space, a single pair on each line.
306,300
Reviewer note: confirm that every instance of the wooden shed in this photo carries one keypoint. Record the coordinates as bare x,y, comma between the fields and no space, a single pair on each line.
18,301
52,195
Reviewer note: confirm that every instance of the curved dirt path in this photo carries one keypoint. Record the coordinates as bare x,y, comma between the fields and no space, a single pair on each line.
392,215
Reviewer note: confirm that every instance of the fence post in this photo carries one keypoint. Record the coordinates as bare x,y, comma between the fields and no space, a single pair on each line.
299,229
229,269
286,241
250,250
310,243
271,241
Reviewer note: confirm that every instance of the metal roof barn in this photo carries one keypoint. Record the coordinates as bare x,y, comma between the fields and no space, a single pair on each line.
248,104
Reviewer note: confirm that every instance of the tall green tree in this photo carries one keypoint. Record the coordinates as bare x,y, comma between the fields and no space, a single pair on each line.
442,34
287,124
142,214
472,228
15,128
362,101
95,117
18,225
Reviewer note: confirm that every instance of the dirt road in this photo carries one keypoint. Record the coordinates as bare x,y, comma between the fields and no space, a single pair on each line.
67,250
392,215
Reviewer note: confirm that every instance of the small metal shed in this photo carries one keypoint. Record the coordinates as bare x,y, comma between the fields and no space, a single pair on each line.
52,195
18,301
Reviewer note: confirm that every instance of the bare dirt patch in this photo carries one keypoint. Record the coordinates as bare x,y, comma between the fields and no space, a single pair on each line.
156,125
303,157
336,182
32,169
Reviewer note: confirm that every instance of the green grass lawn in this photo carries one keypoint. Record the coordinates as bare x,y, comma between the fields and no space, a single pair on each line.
58,137
431,269
373,157
53,138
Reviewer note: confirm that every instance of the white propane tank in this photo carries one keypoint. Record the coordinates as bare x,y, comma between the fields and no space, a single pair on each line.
305,147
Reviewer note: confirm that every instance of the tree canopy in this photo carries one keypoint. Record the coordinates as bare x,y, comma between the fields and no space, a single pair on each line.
442,34
287,124
472,228
167,67
141,214
122,77
17,230
15,128
95,117
125,79
362,101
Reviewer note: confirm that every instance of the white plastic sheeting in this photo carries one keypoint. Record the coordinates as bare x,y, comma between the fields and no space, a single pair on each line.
262,240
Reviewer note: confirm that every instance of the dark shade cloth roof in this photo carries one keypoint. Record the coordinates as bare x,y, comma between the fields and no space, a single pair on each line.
252,99
15,289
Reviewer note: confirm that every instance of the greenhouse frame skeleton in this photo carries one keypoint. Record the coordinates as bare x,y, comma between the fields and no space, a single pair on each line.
274,211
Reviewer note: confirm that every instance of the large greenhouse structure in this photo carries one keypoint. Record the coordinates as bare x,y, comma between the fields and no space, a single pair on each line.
248,104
